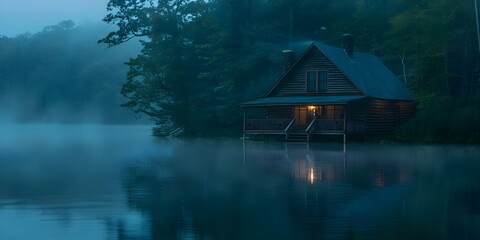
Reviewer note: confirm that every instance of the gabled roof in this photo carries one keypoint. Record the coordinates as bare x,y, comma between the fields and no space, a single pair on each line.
365,71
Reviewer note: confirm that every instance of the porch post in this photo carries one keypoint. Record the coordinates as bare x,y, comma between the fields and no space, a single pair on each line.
344,126
244,152
244,124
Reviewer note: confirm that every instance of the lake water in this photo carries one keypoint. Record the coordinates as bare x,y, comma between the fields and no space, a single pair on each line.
118,182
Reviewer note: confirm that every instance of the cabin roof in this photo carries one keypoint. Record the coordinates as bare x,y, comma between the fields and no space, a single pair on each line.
365,71
301,100
368,73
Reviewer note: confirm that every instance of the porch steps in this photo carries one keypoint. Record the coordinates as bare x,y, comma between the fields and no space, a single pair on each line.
296,137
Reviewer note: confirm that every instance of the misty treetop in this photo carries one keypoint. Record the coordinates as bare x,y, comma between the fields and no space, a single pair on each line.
61,74
200,59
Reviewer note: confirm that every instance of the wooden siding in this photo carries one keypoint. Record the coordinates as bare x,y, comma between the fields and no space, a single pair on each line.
294,84
407,110
266,125
280,113
356,116
377,116
383,116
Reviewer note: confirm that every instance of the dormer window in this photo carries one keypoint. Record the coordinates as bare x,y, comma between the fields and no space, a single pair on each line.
317,81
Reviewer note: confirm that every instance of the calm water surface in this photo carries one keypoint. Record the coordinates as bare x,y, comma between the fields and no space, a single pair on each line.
118,182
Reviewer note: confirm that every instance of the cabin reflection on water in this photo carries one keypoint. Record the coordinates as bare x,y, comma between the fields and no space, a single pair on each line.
334,192
277,190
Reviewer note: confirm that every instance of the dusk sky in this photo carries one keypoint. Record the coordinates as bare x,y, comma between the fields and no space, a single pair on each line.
20,16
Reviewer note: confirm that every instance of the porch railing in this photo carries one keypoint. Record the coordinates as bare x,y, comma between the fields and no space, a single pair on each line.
267,125
285,126
328,125
355,126
289,128
310,128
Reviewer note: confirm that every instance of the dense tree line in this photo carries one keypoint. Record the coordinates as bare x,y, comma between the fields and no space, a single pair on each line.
61,74
200,59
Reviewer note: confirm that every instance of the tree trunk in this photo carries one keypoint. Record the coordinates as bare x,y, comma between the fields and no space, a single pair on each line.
402,58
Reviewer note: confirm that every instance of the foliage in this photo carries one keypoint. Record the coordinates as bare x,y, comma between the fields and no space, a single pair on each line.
61,75
437,41
200,59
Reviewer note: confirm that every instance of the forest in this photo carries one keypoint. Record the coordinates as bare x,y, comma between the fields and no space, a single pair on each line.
61,75
198,60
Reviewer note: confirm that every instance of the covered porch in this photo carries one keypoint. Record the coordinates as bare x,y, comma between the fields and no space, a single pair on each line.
300,117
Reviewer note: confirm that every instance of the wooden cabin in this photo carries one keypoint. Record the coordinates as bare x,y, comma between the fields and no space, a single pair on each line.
330,90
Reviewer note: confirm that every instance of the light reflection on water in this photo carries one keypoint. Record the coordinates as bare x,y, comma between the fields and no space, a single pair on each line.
117,182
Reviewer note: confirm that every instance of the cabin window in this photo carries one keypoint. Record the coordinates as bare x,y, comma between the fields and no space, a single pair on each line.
338,112
334,112
311,81
330,112
322,81
317,81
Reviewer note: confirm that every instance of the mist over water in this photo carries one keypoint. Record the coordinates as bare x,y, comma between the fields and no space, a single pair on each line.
42,159
64,181
118,182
